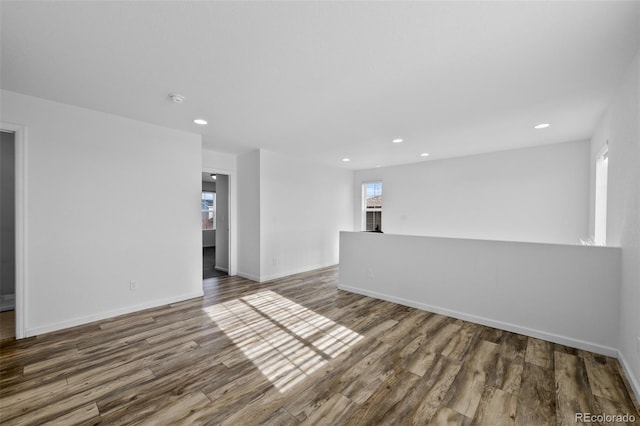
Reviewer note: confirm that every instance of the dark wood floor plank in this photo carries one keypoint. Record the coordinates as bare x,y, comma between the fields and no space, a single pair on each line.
539,352
496,407
603,379
379,407
179,412
447,417
420,404
536,401
465,392
573,393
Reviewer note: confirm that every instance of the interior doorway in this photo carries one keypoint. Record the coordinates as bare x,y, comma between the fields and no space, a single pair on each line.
7,234
215,225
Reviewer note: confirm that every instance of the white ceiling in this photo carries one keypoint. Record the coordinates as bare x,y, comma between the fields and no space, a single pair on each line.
327,80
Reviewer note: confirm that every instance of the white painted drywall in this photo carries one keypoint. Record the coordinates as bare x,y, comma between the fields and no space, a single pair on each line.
218,161
7,214
108,200
534,194
621,128
562,293
303,207
249,215
222,225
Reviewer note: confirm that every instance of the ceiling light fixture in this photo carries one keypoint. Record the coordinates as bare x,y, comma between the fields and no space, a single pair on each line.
213,176
346,160
200,121
424,154
176,98
397,141
542,126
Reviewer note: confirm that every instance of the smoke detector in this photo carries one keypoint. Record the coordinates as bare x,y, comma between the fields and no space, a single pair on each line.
176,98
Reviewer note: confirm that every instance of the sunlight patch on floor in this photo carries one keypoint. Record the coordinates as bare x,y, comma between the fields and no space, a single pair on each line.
284,339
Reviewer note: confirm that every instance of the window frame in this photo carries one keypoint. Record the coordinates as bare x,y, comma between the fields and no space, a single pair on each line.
600,197
366,209
211,210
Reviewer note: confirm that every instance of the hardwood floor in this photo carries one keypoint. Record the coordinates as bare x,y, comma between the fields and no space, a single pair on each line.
299,351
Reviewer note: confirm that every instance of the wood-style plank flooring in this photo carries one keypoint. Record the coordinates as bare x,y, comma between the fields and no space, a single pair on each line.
299,351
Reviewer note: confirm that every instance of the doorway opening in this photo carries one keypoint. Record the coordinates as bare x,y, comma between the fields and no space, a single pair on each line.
215,225
7,235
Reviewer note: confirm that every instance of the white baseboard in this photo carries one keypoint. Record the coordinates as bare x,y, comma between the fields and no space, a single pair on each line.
35,331
633,380
249,276
221,269
555,338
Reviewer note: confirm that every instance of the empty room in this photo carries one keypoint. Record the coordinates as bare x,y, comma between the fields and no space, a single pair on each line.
320,212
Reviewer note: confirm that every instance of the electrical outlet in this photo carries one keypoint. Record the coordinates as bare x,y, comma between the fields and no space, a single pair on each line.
133,285
370,273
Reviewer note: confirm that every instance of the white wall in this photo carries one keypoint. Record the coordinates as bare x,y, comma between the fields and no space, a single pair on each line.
249,215
536,194
108,200
621,128
218,161
303,208
562,293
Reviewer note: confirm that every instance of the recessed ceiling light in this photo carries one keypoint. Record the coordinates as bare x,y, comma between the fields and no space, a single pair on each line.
424,154
346,160
200,121
213,176
542,126
397,141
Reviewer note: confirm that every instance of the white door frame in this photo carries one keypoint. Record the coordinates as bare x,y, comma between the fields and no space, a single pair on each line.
20,139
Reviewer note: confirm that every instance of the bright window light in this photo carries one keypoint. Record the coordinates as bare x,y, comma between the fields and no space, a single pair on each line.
285,340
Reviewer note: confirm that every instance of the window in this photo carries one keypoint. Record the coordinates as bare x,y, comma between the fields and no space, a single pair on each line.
372,206
208,210
602,170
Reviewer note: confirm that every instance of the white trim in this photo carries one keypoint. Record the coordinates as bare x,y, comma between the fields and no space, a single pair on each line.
633,380
20,139
363,203
556,338
249,276
110,314
221,269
